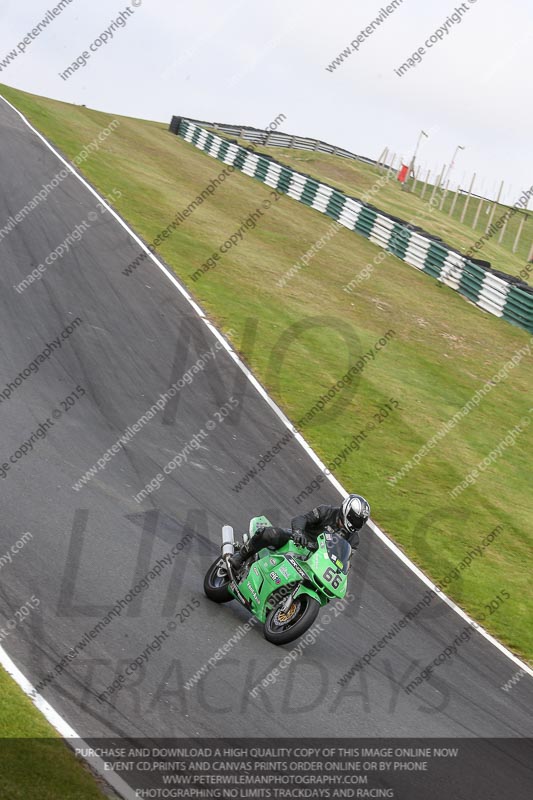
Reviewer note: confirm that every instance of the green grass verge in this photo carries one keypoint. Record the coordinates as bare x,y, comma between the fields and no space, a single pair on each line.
442,352
36,764
357,178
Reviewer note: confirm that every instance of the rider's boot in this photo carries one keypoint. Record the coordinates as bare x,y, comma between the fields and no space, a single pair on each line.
248,550
241,556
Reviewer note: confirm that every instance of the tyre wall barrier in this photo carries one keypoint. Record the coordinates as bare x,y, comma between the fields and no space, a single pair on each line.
498,294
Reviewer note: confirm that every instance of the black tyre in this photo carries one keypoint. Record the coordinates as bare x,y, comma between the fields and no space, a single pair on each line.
216,583
284,628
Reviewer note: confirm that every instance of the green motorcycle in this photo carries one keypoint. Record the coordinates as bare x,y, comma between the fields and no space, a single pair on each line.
283,588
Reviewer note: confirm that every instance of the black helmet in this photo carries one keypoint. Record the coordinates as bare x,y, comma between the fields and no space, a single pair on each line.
354,512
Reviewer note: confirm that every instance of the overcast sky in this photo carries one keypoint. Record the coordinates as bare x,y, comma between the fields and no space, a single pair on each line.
245,62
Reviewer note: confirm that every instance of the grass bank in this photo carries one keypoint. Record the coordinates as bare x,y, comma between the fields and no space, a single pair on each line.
441,352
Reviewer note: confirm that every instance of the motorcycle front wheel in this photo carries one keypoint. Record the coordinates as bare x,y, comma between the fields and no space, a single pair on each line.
216,583
284,627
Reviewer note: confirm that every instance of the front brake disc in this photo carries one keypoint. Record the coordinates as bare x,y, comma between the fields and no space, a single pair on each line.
283,617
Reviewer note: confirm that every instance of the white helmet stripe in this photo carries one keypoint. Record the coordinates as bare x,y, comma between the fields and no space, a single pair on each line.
357,505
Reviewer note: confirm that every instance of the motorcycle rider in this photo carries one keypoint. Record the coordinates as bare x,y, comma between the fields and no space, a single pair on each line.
345,520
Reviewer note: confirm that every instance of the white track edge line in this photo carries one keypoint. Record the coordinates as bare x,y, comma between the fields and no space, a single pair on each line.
52,716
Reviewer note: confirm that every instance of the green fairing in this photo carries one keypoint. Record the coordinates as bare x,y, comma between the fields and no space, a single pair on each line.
321,574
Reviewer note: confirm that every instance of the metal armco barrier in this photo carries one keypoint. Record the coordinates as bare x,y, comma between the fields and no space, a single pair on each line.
499,294
277,139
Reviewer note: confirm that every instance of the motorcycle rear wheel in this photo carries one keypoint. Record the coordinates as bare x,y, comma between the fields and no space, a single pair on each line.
282,628
216,583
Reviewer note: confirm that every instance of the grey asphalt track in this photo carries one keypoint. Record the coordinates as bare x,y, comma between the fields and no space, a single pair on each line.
137,335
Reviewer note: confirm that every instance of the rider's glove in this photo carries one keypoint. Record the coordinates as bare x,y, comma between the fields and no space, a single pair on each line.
299,538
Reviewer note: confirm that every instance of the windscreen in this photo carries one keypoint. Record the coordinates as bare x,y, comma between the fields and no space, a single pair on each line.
339,551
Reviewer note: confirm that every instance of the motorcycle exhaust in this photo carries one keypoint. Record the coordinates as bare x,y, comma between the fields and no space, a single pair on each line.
228,541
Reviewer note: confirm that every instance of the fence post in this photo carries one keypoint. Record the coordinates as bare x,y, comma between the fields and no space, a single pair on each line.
381,160
494,208
469,195
502,232
425,185
444,195
519,233
437,185
452,207
478,212
417,173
